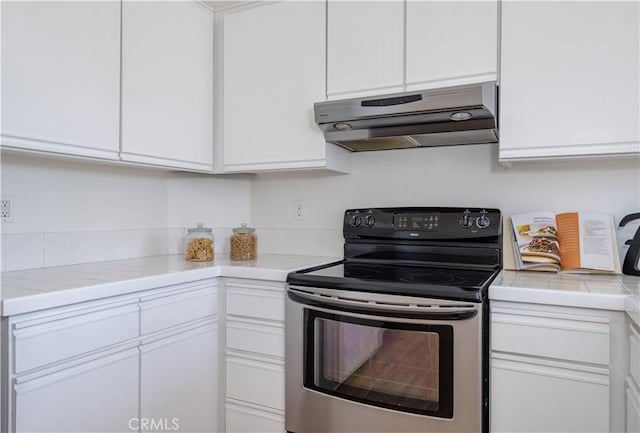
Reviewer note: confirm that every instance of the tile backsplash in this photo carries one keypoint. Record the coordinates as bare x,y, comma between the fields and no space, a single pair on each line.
36,250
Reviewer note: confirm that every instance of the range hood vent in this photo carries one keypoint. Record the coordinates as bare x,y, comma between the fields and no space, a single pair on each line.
439,117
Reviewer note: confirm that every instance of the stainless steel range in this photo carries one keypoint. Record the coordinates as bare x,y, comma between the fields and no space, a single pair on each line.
394,338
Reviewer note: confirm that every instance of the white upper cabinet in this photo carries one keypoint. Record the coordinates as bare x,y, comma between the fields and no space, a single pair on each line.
61,77
393,46
451,43
570,79
274,69
365,46
167,84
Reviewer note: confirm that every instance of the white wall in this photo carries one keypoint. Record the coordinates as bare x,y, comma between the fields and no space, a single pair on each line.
446,176
66,208
71,211
55,195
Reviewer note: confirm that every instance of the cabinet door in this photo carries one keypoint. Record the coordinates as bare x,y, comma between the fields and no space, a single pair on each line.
97,396
179,380
61,77
529,395
570,79
167,84
365,46
451,43
274,71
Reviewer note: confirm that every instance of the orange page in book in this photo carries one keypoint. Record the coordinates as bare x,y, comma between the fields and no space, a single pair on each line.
569,240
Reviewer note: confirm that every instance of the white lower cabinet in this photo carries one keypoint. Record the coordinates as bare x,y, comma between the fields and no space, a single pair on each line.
179,379
632,385
92,367
555,369
254,357
97,395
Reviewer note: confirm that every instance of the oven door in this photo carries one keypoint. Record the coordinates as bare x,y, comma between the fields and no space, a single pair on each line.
359,362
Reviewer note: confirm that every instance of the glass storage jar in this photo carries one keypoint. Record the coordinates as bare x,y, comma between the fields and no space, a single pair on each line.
244,243
199,244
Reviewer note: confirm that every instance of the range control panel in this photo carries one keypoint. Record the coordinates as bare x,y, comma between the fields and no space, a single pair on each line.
422,223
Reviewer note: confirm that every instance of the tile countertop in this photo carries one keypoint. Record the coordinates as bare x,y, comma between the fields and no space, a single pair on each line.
37,289
608,292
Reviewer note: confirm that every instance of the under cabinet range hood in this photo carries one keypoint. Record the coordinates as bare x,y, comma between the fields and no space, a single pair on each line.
437,117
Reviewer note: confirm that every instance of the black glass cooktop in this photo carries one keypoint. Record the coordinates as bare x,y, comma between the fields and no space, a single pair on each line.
425,281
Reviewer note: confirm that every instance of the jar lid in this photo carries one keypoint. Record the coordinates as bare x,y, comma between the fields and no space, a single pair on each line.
243,229
199,228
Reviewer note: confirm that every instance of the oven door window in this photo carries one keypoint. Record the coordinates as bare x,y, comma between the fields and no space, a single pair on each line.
405,367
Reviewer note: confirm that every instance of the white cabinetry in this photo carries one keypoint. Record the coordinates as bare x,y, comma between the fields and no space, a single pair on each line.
632,391
451,43
254,361
572,89
392,46
555,369
109,365
365,46
61,77
167,84
273,67
179,378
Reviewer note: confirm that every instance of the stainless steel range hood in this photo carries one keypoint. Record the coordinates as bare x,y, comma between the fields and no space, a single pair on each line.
437,117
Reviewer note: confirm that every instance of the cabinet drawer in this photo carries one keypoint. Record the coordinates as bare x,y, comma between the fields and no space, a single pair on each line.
252,336
256,382
245,419
533,395
248,301
162,312
634,355
567,337
40,342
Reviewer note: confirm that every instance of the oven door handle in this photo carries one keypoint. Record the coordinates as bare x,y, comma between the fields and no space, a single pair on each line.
414,311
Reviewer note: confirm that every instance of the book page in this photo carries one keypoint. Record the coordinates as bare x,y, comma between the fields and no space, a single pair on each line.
535,238
596,241
569,240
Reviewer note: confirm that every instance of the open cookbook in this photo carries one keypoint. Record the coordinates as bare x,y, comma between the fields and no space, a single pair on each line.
578,242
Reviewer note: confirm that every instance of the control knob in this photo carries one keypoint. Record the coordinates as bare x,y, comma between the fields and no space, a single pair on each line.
369,220
483,221
356,220
466,221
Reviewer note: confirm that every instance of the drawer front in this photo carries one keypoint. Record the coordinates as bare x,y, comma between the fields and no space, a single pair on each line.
256,382
264,339
245,419
575,338
260,304
52,341
634,355
560,398
171,310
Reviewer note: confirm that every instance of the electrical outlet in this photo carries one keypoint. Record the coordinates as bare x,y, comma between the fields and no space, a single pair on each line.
298,209
6,209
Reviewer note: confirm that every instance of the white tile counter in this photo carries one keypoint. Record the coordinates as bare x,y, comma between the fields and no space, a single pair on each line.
606,292
36,289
